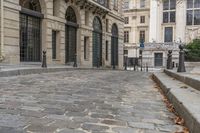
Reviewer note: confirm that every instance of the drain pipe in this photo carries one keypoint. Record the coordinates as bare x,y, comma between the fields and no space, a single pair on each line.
2,32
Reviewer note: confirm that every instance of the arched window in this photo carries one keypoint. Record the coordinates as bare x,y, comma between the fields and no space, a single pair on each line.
97,42
114,46
114,30
97,24
70,15
31,4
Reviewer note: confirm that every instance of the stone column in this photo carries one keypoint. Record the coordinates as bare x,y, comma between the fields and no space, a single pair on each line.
154,27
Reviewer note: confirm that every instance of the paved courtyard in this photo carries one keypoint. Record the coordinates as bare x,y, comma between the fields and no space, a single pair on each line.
83,102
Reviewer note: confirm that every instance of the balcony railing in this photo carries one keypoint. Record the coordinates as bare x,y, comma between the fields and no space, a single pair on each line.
102,2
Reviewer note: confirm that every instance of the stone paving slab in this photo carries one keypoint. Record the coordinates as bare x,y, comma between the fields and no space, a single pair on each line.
185,99
83,101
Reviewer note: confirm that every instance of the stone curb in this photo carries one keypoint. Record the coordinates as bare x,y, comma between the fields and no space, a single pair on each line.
185,79
185,101
19,72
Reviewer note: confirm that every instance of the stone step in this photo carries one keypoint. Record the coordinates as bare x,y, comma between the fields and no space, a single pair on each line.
36,70
190,79
185,99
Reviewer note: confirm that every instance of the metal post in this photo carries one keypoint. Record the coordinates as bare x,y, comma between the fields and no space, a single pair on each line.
141,60
169,60
181,65
75,61
44,60
126,58
147,68
134,67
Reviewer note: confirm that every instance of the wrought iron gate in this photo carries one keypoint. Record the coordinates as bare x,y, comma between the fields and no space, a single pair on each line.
30,38
114,51
97,42
114,46
158,59
97,49
70,43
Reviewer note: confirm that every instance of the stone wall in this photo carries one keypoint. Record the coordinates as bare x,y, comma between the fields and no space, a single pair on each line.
57,22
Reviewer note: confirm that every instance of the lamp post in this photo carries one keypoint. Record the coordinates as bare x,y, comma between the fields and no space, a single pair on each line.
141,50
136,60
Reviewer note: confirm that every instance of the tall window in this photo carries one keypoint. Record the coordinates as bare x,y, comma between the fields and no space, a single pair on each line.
106,50
142,36
168,34
86,18
107,25
126,19
115,4
54,40
125,52
142,3
193,12
126,36
86,47
126,4
169,11
142,19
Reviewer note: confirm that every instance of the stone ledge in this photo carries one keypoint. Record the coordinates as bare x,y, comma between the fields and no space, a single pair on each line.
191,81
185,100
28,71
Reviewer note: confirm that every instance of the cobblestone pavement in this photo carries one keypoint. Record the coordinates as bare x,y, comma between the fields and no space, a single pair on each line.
83,102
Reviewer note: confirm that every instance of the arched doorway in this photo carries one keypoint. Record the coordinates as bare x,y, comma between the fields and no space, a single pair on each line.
114,46
71,36
97,42
30,31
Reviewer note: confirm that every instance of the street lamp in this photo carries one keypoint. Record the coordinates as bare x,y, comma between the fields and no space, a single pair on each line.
141,50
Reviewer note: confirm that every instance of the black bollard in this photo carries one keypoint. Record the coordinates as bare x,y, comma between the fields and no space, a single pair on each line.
75,61
126,63
181,65
169,60
44,60
147,68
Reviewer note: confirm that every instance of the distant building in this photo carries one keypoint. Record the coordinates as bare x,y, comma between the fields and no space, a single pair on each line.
167,24
89,31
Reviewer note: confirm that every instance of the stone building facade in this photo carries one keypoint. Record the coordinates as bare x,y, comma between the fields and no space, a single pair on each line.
136,15
87,31
174,20
168,24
